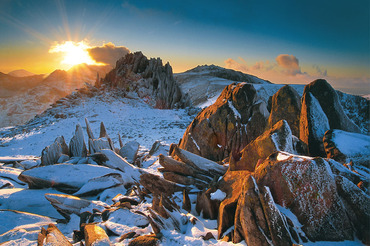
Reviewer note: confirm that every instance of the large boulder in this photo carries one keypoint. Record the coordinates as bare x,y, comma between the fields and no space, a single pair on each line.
345,147
257,219
286,105
329,102
313,125
308,189
222,128
278,138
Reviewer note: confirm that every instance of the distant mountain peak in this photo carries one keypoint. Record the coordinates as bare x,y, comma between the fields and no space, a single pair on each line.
20,73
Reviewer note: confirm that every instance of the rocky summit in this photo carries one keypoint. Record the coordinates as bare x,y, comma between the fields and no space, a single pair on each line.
294,171
149,78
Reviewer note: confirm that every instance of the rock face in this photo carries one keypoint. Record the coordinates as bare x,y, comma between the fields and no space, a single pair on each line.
329,102
286,105
278,138
307,187
257,218
149,78
313,125
346,147
227,126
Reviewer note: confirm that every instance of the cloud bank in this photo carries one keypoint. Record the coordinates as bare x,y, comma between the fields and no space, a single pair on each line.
286,70
108,53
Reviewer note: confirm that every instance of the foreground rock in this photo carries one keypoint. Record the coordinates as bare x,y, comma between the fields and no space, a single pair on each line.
67,205
186,168
278,138
228,125
71,180
307,187
346,147
95,235
52,236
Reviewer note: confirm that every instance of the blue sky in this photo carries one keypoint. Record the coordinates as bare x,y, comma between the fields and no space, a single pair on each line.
331,36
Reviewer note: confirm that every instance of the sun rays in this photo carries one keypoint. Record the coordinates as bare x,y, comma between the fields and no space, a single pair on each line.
74,53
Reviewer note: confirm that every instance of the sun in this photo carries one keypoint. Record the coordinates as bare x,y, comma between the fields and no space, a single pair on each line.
74,53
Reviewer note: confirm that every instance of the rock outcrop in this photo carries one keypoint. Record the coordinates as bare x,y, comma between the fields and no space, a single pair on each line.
329,102
313,125
149,79
228,125
286,105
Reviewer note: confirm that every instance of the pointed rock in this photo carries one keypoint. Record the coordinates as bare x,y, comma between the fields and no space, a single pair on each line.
103,131
51,154
329,102
313,125
88,129
186,204
120,141
77,146
286,105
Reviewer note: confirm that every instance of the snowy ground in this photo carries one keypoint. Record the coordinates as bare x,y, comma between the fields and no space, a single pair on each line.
131,118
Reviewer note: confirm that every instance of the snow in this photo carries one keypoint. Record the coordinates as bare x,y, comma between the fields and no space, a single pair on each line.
351,143
235,111
134,120
218,195
131,118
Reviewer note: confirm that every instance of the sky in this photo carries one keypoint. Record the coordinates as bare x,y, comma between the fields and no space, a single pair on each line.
281,41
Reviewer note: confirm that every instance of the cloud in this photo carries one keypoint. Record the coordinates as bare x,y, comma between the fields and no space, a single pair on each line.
239,66
108,53
289,64
319,71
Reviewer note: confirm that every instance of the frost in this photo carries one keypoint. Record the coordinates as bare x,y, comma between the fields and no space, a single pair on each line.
235,111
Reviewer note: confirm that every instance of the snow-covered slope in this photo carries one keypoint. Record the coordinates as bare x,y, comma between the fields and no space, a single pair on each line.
21,98
132,118
205,83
